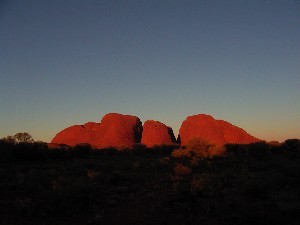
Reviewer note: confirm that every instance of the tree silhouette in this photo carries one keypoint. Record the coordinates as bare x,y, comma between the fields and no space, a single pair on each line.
8,139
23,137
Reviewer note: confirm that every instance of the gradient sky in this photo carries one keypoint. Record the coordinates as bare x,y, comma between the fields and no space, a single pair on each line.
68,62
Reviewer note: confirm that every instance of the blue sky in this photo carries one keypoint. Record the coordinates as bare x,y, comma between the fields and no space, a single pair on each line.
69,62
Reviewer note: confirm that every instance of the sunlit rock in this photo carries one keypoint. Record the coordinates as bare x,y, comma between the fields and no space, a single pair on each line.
157,133
217,132
115,130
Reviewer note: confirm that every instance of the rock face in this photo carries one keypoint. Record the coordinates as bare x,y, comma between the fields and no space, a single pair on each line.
235,135
123,131
157,133
77,134
115,130
218,132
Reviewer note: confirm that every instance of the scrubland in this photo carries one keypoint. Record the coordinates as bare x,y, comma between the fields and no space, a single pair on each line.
234,184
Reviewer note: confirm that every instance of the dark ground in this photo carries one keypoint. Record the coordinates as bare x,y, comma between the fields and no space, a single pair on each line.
250,185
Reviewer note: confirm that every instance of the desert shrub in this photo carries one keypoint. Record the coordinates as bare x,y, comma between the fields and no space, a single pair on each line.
254,190
258,150
164,149
197,184
200,147
235,150
69,195
292,144
291,147
93,175
23,137
8,139
24,206
195,161
139,147
117,178
217,151
58,153
23,151
6,149
181,153
81,150
276,147
156,150
181,169
164,161
106,151
181,188
29,151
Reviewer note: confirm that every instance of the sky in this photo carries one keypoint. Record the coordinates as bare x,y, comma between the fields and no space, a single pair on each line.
66,62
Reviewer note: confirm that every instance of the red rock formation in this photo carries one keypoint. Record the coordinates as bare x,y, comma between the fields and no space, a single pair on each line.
234,134
77,134
91,126
217,132
123,131
157,133
115,130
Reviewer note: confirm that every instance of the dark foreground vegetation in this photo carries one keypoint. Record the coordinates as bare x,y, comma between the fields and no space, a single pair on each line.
244,184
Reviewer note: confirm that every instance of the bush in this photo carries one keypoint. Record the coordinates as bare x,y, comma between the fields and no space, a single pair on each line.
197,184
139,147
217,151
276,147
164,149
259,150
23,151
81,150
181,153
235,150
292,144
180,169
200,147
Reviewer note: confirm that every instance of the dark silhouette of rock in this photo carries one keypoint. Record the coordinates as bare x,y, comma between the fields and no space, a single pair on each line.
115,130
157,133
217,132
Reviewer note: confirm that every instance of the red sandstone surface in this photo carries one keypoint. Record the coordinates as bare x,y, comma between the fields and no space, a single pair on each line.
123,131
157,133
218,132
115,130
74,135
